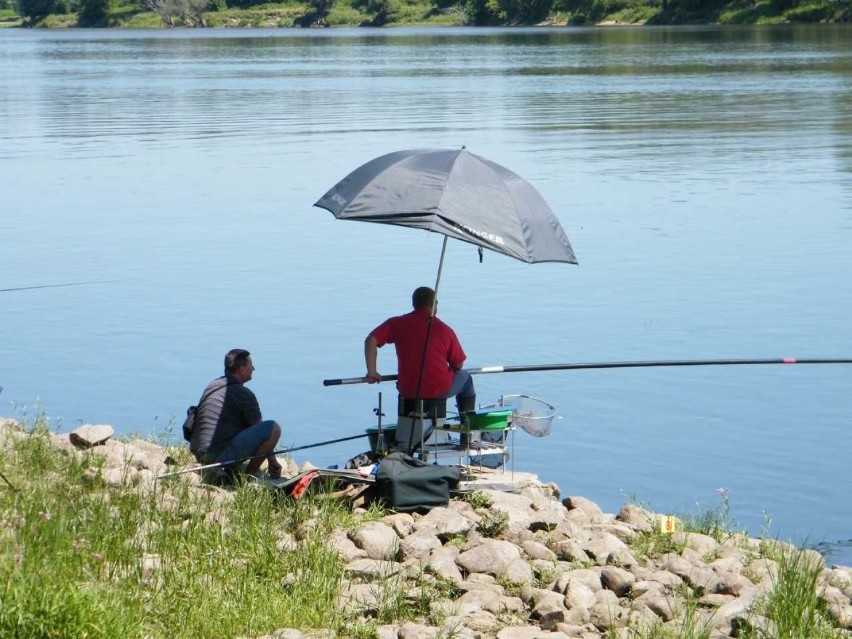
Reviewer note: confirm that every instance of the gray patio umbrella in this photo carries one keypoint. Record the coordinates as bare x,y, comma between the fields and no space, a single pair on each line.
455,193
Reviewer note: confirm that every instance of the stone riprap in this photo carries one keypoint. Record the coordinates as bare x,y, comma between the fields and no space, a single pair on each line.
530,565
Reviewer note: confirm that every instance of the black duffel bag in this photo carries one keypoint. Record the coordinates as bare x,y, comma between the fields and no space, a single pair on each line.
407,484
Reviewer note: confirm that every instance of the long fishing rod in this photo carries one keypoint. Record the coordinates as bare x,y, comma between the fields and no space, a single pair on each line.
275,452
8,483
640,364
30,288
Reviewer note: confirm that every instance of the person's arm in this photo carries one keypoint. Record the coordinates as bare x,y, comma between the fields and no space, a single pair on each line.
456,355
371,350
250,408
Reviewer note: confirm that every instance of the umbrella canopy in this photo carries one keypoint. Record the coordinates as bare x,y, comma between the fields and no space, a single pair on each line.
455,193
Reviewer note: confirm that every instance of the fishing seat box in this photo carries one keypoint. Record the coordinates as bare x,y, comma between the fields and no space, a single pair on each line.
415,425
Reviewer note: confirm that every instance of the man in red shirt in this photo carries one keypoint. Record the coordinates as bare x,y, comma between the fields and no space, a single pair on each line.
437,375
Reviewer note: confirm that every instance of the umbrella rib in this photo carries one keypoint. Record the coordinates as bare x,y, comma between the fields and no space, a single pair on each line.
504,186
446,181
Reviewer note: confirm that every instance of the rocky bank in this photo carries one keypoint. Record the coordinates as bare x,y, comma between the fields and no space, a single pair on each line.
530,565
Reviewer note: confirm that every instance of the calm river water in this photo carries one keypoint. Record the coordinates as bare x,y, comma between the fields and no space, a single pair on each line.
704,176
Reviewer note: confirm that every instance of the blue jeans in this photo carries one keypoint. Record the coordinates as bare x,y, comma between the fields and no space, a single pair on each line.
462,386
246,442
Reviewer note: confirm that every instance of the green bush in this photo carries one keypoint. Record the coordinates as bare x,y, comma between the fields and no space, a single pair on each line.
341,16
811,12
36,9
93,13
527,11
484,12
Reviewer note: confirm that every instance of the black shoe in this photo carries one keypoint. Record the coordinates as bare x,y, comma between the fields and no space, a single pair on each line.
219,477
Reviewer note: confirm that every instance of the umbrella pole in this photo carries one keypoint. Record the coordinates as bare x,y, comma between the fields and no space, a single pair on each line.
438,279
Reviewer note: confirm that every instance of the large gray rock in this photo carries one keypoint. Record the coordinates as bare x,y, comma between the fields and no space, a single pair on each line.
402,523
10,432
668,579
411,630
387,631
715,601
731,563
483,599
89,435
644,586
517,508
833,595
607,548
371,569
590,578
764,572
695,575
534,597
729,583
480,623
640,519
442,563
519,632
465,510
360,598
618,529
703,544
419,546
585,505
733,612
519,572
579,595
119,455
607,613
840,577
666,607
567,530
537,550
492,557
378,540
571,550
284,633
841,615
618,580
546,514
345,547
444,522
548,614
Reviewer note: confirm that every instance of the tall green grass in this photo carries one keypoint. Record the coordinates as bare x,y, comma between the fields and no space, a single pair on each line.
80,558
793,607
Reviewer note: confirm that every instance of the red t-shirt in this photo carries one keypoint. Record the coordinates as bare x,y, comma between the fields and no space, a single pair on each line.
408,333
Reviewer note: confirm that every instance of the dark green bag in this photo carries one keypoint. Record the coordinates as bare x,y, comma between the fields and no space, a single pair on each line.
407,484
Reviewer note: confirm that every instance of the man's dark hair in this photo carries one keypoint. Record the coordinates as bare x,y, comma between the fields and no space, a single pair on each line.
235,358
423,297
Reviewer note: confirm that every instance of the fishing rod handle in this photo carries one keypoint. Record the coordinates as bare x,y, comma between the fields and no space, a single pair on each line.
356,380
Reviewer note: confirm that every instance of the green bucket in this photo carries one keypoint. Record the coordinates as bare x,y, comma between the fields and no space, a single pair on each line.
488,419
388,432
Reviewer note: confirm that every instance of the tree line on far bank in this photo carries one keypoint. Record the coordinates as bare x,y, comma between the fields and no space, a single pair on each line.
203,13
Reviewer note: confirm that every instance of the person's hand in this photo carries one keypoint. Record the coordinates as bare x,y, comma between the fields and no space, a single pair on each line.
373,377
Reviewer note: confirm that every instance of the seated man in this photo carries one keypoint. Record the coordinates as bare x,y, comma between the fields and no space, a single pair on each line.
437,375
228,423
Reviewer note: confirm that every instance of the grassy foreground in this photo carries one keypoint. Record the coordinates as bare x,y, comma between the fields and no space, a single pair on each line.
83,559
81,556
